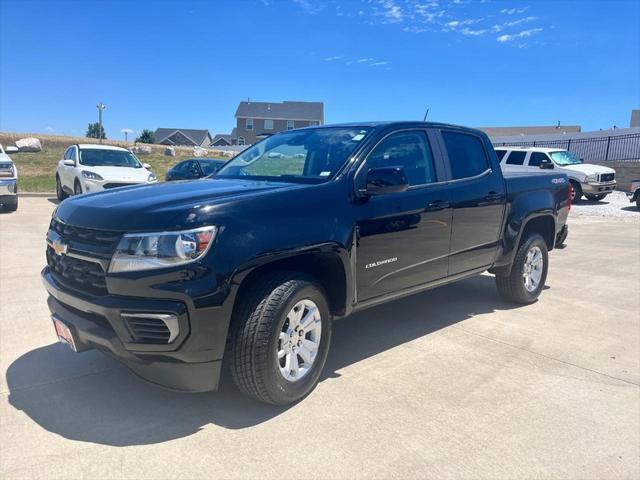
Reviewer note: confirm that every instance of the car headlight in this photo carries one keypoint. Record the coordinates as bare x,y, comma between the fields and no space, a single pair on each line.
152,177
592,178
91,175
146,251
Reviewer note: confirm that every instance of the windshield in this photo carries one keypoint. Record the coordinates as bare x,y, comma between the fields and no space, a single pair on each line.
564,158
108,158
309,155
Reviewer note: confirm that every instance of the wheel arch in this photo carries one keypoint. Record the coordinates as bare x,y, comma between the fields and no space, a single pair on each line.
328,264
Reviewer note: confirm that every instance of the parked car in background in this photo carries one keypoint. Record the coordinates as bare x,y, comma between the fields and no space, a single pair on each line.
93,168
8,180
634,195
193,168
250,266
593,181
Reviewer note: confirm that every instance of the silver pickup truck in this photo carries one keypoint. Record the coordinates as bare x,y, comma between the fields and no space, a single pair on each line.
8,180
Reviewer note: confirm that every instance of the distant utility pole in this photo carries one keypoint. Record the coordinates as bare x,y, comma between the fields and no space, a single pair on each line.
126,132
101,106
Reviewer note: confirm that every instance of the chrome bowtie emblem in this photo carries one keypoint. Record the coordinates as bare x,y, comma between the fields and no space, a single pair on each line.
59,248
56,243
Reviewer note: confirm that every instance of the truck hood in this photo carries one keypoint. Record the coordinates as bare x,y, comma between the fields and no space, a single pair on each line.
588,168
120,174
161,206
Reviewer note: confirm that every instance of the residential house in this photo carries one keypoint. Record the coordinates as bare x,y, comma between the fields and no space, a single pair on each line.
256,118
183,137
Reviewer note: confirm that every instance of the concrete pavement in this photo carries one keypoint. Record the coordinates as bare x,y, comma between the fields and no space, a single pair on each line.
452,383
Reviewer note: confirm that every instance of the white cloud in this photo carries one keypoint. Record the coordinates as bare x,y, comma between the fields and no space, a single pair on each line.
473,33
391,11
513,11
502,26
50,129
365,60
378,64
522,34
332,59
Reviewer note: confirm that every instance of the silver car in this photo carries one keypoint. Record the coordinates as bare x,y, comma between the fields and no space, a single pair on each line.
8,180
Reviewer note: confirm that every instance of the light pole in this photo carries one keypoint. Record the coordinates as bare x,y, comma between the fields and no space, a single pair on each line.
101,106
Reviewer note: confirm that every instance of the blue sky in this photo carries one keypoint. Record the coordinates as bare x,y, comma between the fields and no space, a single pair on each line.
188,63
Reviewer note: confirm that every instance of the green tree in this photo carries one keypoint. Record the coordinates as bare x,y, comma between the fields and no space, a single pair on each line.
95,130
146,136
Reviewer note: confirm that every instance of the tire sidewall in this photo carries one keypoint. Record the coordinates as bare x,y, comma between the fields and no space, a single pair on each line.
575,187
534,240
280,389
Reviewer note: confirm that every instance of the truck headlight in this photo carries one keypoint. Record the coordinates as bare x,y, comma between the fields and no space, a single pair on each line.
592,178
91,175
152,177
146,251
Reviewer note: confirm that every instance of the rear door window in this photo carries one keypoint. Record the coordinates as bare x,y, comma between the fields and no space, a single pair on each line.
466,154
516,158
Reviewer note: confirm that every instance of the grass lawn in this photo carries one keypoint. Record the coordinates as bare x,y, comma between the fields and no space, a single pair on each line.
37,171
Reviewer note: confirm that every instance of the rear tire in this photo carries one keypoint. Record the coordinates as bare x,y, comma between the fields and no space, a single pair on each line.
268,339
60,193
576,191
528,272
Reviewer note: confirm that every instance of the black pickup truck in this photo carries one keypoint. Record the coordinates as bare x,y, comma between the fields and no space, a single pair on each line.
248,268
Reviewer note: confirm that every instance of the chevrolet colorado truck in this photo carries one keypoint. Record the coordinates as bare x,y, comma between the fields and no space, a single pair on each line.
248,268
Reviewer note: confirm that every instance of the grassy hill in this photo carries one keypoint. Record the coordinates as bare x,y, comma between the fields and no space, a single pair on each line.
37,171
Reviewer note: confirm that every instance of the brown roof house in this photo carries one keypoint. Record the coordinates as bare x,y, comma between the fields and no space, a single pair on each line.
256,118
183,136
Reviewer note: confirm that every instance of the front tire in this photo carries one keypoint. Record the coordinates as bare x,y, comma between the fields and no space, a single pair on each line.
576,191
77,188
280,338
11,206
528,272
60,193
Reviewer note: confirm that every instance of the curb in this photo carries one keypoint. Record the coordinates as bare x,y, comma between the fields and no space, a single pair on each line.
36,194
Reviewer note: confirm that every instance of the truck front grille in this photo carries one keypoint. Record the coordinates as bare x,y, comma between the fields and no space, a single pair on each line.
84,235
81,275
607,177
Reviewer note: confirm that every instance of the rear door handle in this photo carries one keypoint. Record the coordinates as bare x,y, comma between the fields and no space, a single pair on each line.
493,196
437,205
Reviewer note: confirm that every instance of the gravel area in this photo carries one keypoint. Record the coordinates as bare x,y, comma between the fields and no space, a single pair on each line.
615,205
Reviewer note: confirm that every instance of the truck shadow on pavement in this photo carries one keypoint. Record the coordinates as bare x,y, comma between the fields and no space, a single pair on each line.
92,398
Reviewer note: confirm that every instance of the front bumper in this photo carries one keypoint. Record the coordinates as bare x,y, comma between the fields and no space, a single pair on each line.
9,187
89,185
192,362
598,188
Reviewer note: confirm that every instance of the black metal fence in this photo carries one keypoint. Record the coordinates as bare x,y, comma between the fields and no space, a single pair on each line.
611,148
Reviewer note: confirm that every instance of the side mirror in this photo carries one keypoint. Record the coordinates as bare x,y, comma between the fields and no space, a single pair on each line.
546,165
11,150
146,165
386,180
69,163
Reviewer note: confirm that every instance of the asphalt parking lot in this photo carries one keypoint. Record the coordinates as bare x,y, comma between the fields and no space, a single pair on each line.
452,383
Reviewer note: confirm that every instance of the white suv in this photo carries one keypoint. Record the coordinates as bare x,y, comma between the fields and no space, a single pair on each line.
8,180
594,181
93,168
